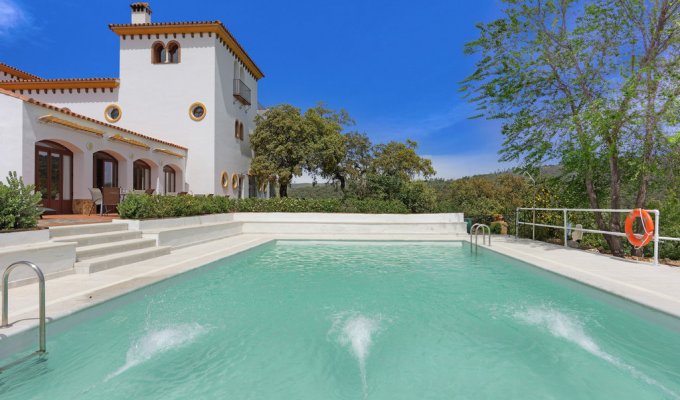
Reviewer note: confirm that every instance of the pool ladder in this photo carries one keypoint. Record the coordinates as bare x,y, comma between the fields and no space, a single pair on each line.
5,309
474,230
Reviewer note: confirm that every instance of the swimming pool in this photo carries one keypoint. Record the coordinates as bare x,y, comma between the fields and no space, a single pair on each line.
353,320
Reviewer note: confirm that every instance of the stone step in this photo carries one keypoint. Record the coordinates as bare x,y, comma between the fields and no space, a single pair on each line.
116,260
189,235
99,250
86,229
99,238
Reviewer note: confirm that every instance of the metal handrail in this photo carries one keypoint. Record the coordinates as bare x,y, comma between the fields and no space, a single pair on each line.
5,306
474,229
566,228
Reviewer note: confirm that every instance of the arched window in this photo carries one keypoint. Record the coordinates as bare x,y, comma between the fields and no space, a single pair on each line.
173,52
158,53
169,178
240,131
141,174
236,128
105,172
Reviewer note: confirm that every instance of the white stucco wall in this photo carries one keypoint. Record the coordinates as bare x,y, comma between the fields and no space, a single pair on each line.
232,154
155,99
11,121
92,103
19,147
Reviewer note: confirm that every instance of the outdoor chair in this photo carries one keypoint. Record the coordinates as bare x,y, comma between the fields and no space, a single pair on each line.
96,195
182,193
110,198
149,191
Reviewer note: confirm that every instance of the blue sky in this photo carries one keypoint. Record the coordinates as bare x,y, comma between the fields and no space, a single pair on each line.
394,65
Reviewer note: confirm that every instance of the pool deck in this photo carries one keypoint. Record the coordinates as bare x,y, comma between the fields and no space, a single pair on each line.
657,287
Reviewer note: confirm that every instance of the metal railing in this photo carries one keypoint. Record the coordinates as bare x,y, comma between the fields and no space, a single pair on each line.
474,230
565,225
5,308
241,92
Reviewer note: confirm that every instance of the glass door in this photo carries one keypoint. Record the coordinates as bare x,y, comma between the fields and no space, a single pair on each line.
53,176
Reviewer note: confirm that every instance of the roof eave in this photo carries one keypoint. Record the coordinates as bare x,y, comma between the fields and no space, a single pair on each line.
111,83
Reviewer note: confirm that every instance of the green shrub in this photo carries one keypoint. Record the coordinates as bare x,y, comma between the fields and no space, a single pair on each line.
418,197
18,204
137,206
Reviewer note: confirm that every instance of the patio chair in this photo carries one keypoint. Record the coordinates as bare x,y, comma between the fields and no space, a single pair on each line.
149,191
182,193
96,195
110,198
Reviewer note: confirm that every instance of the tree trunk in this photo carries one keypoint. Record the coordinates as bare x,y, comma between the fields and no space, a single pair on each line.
341,178
283,188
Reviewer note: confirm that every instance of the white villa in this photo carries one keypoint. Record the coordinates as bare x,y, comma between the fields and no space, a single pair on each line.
177,119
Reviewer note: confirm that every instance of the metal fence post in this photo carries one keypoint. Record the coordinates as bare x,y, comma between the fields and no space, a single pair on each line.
533,227
517,223
656,237
566,236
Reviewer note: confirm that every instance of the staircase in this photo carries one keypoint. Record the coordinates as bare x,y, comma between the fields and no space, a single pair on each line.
103,246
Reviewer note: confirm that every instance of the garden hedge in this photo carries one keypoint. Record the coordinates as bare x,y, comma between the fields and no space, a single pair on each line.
139,206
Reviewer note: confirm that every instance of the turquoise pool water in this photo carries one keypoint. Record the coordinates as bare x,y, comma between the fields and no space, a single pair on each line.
340,320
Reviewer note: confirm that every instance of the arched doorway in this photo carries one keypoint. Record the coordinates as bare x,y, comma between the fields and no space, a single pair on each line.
169,178
141,175
54,176
105,172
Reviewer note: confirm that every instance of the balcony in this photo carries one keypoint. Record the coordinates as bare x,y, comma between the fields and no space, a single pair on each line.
241,92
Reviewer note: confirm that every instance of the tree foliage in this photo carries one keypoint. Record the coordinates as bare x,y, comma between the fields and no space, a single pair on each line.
287,143
281,143
591,84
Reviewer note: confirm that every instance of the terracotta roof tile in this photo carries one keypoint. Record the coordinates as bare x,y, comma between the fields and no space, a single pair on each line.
79,116
17,72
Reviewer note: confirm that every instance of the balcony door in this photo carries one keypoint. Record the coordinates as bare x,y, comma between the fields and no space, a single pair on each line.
54,176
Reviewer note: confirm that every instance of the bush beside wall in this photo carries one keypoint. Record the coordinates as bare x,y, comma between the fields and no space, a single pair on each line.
152,207
18,204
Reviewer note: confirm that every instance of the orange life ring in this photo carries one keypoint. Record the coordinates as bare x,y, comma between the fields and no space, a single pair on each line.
647,224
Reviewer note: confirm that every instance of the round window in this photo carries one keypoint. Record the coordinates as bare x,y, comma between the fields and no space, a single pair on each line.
197,111
112,113
225,179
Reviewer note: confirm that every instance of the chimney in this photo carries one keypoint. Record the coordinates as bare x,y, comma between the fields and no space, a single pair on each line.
141,13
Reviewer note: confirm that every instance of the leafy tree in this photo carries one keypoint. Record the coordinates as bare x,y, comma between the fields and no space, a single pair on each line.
281,143
328,151
400,160
592,84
